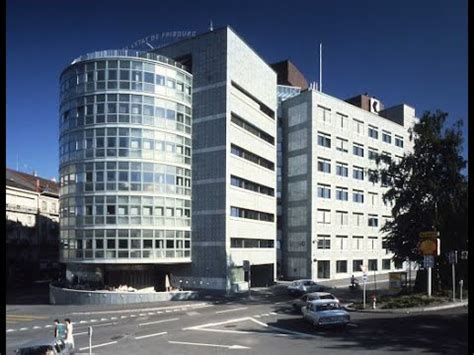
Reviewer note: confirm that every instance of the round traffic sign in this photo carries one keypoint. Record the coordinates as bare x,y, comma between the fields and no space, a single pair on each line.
428,247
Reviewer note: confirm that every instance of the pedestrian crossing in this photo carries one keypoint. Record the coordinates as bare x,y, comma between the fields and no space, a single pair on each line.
17,318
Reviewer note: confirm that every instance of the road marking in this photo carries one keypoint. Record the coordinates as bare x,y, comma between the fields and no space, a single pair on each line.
25,317
232,310
122,317
198,305
150,335
81,333
102,319
192,313
113,318
273,313
93,320
132,316
213,345
158,321
265,314
21,329
218,323
159,312
151,313
10,330
257,316
97,346
280,302
142,314
167,311
83,321
48,326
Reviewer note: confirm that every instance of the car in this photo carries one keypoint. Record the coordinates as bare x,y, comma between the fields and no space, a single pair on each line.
300,302
41,346
321,313
300,287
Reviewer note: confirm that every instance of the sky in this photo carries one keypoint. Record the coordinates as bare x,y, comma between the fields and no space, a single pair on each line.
400,51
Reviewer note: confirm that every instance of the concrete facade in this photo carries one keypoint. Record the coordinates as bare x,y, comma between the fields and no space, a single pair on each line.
234,161
331,212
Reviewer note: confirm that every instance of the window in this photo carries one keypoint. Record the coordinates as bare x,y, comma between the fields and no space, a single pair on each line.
342,121
373,197
373,242
358,173
324,241
358,149
358,196
357,241
252,186
357,217
324,139
385,264
342,193
342,218
342,241
386,137
373,132
359,126
356,264
251,243
239,121
251,214
341,169
324,216
372,265
341,266
324,191
341,144
373,220
254,158
399,141
324,165
373,154
324,114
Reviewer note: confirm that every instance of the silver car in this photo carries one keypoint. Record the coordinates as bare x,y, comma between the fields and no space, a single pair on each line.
41,346
301,302
300,287
325,313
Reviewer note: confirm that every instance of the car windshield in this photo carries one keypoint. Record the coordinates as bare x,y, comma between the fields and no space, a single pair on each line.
35,350
327,307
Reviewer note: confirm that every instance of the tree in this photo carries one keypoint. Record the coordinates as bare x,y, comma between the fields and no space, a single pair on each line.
426,190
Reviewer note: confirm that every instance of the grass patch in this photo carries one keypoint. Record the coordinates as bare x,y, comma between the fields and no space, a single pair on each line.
402,301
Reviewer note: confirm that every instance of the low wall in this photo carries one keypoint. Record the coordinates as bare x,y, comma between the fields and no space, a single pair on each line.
59,295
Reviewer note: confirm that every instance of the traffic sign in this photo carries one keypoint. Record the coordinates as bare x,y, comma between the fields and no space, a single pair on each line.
428,261
364,277
429,246
453,257
429,234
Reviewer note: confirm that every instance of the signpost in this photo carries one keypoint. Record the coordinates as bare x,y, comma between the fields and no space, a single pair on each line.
453,259
429,248
364,280
246,265
460,291
90,340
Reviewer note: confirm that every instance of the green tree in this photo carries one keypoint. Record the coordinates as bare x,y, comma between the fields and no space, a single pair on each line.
426,190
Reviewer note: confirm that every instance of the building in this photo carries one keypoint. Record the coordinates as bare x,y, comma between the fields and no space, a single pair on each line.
32,228
332,211
125,168
234,161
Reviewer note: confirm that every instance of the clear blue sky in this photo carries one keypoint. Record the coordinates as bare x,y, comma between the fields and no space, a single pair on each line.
412,52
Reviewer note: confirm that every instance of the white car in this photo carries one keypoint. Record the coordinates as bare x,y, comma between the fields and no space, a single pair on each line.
301,302
325,313
300,287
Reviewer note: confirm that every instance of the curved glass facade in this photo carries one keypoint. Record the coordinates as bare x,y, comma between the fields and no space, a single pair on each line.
125,159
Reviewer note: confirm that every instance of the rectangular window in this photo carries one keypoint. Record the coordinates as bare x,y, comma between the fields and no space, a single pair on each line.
399,141
373,220
342,194
324,241
358,173
357,242
372,265
342,121
254,158
342,241
239,121
373,132
324,114
324,216
264,108
324,165
342,169
359,126
324,139
373,153
373,242
341,266
358,149
324,191
357,218
386,137
386,264
251,214
252,186
373,197
342,218
342,144
356,264
358,196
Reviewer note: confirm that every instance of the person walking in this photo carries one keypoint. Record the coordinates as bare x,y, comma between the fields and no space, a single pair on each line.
59,330
69,337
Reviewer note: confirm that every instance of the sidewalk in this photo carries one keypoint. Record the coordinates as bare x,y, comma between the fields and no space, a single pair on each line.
409,310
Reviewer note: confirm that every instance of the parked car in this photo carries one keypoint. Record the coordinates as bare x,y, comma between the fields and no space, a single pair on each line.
301,302
41,346
325,313
300,287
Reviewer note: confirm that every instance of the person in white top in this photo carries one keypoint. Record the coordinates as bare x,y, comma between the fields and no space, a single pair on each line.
69,337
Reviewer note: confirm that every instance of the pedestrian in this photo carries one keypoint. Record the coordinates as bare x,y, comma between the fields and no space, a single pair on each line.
59,330
69,337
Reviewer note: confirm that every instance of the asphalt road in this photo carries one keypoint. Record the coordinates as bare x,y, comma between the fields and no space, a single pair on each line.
264,325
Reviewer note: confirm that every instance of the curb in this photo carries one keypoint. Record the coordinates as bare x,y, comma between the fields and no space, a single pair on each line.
409,310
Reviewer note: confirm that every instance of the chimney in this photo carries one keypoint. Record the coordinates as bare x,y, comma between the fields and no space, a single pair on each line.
37,185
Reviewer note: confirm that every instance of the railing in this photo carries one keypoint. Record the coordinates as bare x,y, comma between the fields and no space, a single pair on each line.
19,208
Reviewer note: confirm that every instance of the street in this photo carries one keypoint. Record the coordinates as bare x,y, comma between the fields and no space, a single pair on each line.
264,324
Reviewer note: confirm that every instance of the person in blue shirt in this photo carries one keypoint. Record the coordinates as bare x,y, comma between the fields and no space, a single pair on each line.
59,330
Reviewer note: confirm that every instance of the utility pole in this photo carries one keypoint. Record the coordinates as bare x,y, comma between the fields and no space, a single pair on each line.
320,67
